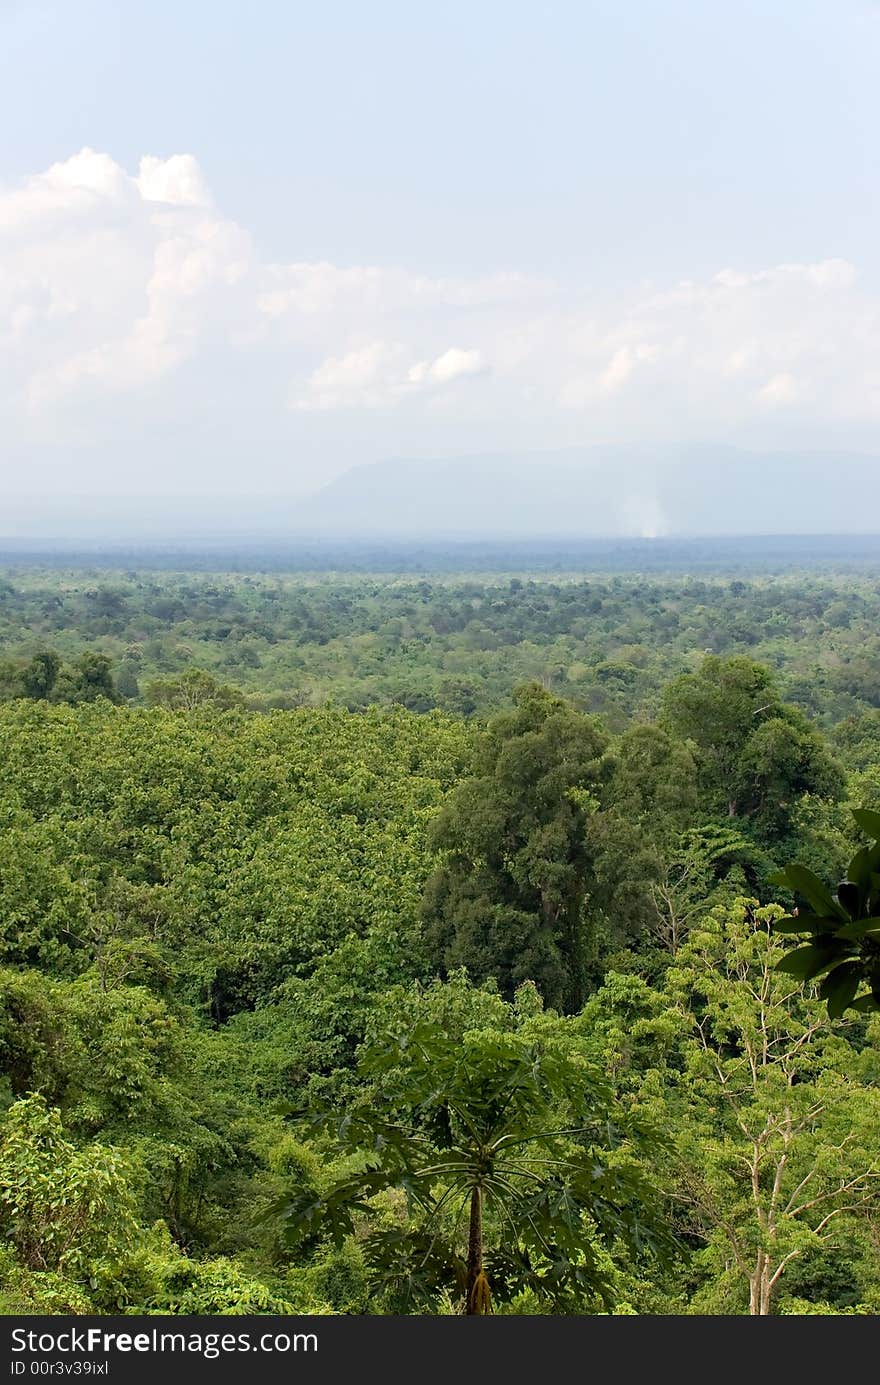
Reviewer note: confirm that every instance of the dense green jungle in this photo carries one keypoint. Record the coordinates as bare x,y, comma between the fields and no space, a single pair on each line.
414,942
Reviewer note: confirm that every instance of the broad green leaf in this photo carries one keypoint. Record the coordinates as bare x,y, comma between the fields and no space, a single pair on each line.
859,929
850,896
860,867
806,923
796,925
839,987
865,1004
807,962
810,888
869,821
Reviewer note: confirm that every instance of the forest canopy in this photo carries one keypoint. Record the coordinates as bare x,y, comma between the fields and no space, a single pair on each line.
417,945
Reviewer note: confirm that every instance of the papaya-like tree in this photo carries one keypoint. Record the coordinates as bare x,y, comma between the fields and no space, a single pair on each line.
514,1164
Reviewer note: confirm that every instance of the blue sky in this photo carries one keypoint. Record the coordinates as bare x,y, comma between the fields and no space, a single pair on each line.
648,137
394,229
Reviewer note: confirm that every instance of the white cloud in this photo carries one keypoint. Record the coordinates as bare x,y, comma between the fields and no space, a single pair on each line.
177,180
368,377
108,281
823,274
780,389
114,286
726,350
453,364
622,364
299,289
378,375
66,193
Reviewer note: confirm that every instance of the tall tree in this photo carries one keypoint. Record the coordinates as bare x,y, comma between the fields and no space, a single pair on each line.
777,1132
507,901
653,780
757,755
39,676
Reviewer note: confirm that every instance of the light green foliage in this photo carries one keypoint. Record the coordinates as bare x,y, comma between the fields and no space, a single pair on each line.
177,1284
107,1055
25,1292
194,688
793,1146
44,907
775,1118
65,1210
246,847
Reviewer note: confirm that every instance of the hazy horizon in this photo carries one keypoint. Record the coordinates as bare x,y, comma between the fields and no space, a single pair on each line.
610,493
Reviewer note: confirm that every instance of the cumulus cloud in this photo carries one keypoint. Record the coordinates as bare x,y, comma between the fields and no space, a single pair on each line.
177,180
378,375
78,188
622,364
729,348
113,283
449,365
779,389
110,281
368,377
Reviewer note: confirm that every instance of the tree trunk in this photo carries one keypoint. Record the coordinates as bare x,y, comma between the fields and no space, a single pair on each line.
760,1288
477,1286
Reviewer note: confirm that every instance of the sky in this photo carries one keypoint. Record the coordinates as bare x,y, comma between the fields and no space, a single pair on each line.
246,247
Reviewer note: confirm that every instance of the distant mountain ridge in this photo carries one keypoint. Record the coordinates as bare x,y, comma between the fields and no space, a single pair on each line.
612,492
602,491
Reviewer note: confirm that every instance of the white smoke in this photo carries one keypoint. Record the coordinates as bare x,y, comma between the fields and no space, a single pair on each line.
643,516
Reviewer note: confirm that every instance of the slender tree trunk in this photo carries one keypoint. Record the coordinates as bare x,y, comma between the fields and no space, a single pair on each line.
760,1288
477,1288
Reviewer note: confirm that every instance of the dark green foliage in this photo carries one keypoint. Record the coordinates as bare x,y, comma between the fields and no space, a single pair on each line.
47,678
843,928
507,901
654,780
127,684
756,754
38,678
